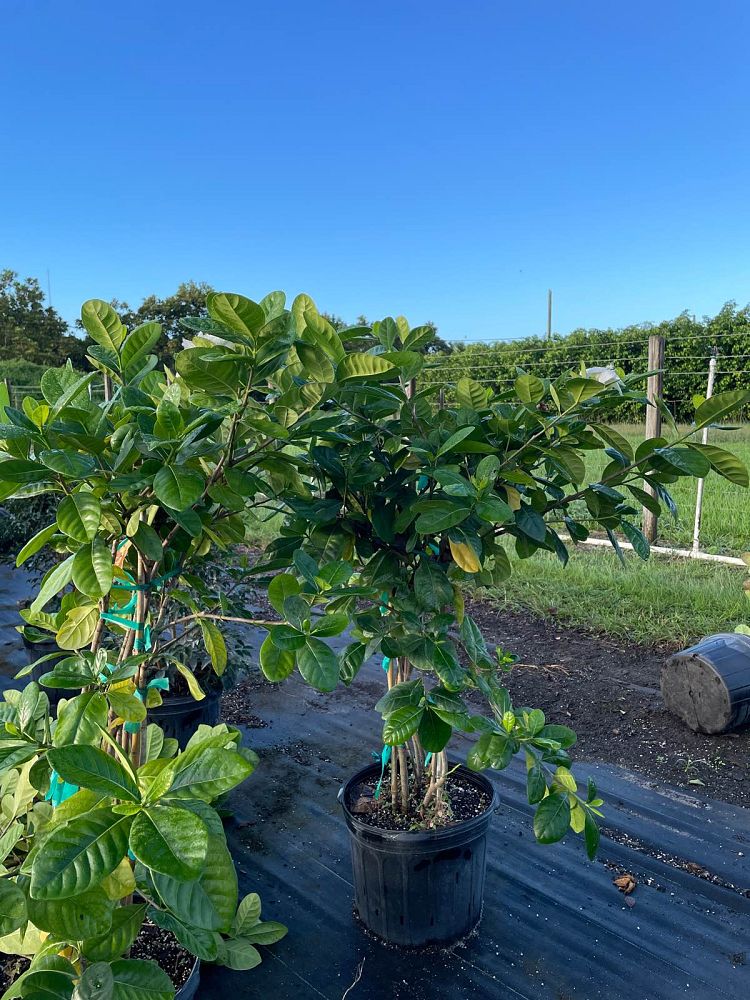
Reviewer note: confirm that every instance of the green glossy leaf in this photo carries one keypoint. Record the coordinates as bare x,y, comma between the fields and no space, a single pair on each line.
215,645
266,932
248,915
147,541
209,775
96,983
90,767
189,901
637,539
74,919
68,463
12,907
102,324
138,344
126,922
36,543
455,440
552,819
126,706
237,312
720,405
23,472
283,585
178,487
431,586
78,628
686,461
434,732
93,569
202,943
364,366
78,855
219,879
170,840
318,664
529,389
591,835
135,979
724,462
402,724
79,516
276,664
56,580
81,720
238,954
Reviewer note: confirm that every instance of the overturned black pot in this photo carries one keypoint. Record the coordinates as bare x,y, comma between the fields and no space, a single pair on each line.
416,889
180,715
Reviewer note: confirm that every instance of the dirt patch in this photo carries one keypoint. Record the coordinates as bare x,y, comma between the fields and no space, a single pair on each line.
162,947
11,967
607,690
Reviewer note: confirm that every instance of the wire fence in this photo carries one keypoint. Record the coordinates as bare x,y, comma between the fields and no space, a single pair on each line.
725,515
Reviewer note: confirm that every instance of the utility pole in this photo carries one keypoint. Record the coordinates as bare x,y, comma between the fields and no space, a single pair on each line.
549,314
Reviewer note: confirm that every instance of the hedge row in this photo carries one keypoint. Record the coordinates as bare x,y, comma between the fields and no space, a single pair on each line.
689,345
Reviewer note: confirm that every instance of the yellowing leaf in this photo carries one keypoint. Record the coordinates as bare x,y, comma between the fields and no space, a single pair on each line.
464,556
513,497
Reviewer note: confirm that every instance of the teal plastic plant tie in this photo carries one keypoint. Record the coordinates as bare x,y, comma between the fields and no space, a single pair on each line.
386,663
422,483
162,683
427,759
385,756
59,790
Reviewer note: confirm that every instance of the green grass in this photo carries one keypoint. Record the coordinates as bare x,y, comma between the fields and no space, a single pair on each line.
725,526
662,600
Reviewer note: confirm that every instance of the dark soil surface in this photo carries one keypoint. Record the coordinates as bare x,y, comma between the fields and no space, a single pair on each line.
466,802
607,690
162,947
11,967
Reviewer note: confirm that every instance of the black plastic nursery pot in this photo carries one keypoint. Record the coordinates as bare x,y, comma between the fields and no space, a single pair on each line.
424,888
180,715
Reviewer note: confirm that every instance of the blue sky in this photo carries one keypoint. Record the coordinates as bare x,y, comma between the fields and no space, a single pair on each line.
445,160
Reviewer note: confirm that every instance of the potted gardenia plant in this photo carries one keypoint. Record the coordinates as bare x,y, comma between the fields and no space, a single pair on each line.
151,480
98,843
408,503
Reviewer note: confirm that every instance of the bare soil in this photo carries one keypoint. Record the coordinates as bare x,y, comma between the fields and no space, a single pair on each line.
607,690
161,946
465,802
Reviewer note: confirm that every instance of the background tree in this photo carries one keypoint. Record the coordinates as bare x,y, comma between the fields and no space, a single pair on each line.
30,330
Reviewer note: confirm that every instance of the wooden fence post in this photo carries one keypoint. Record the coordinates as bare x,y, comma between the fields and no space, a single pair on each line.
654,391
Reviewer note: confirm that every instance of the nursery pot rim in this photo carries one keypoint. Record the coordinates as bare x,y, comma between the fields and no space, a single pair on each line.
420,838
190,987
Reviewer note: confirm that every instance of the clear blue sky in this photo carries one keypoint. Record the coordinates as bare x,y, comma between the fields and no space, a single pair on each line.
445,159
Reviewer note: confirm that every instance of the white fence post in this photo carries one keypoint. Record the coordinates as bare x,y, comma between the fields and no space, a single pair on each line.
702,482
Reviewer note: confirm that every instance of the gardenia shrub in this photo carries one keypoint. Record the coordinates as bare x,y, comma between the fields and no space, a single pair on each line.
73,862
409,504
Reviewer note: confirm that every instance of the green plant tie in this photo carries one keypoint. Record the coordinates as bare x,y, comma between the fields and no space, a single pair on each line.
161,684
